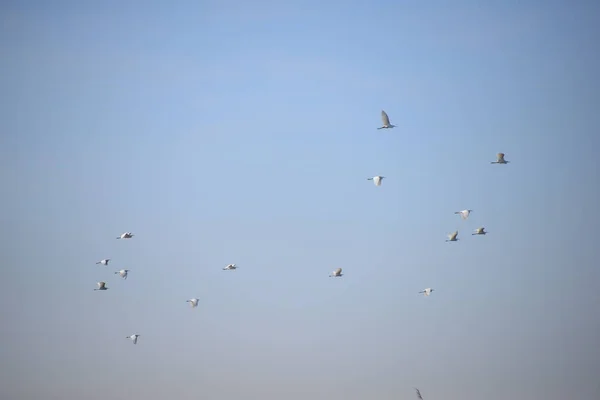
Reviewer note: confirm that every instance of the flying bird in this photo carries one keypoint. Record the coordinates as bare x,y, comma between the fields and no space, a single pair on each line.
122,273
419,394
336,273
133,337
230,267
193,302
101,286
464,214
479,231
126,235
376,180
104,262
500,159
427,291
452,237
386,121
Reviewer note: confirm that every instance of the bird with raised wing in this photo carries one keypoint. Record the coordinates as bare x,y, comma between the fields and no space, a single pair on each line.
123,273
499,159
101,286
230,267
126,235
104,262
193,302
376,180
419,394
464,214
386,121
479,231
336,273
427,291
452,237
133,337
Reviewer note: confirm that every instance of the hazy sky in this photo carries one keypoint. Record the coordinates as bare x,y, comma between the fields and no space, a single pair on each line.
244,132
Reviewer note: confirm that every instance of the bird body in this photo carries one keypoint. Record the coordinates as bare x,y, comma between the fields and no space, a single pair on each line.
479,231
336,273
122,273
230,267
193,302
133,337
101,286
452,237
386,121
104,262
500,159
126,235
464,214
376,180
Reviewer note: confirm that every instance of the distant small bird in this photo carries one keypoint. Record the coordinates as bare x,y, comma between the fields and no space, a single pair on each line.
104,262
419,394
122,273
500,159
193,302
464,214
376,180
427,291
386,121
126,235
336,273
133,337
452,237
230,267
101,286
479,231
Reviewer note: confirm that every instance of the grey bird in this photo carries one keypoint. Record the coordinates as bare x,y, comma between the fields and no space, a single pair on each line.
386,121
500,159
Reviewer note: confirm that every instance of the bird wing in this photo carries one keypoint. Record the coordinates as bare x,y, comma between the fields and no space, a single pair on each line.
453,235
419,394
135,339
500,156
337,271
101,284
384,118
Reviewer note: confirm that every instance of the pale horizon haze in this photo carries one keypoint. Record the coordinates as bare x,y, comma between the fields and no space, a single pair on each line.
244,132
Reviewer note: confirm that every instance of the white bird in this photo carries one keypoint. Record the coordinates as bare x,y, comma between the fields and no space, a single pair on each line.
376,180
336,273
479,231
452,237
386,121
133,337
427,291
464,214
230,266
122,273
126,235
101,286
500,159
104,262
193,302
419,394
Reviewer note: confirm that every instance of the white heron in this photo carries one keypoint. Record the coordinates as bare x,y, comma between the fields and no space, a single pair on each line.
104,262
479,231
427,291
101,286
230,267
419,394
122,273
133,337
126,235
500,159
336,273
376,180
193,302
464,214
452,237
386,121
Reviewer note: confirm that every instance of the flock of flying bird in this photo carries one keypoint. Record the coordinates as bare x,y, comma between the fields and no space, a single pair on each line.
377,180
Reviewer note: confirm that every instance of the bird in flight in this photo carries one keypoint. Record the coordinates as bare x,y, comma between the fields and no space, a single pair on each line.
500,159
336,273
230,267
386,121
133,337
122,273
193,302
464,214
376,180
452,237
104,262
479,231
101,286
126,235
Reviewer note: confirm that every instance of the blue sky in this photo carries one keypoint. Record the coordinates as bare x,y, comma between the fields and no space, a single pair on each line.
243,132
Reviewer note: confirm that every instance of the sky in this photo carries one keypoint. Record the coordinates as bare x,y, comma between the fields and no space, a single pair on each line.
244,132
